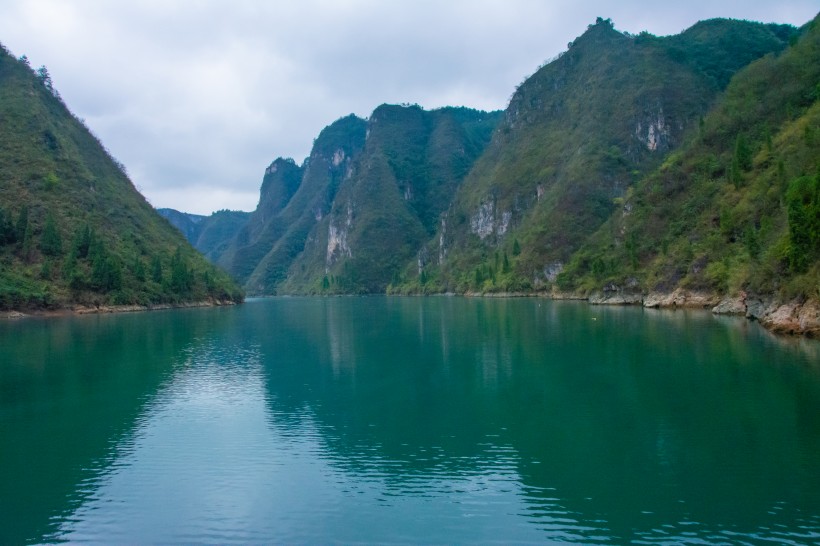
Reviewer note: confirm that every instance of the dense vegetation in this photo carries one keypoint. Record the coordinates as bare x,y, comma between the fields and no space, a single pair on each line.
738,207
73,229
576,137
293,199
361,205
390,205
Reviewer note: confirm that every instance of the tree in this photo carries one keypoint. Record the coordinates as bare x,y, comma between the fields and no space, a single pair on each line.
803,201
181,276
106,271
138,270
742,159
83,241
51,243
45,77
156,270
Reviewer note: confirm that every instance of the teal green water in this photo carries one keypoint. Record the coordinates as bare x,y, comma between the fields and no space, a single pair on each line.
401,420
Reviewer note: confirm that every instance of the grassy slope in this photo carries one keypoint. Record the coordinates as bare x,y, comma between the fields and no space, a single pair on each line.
52,167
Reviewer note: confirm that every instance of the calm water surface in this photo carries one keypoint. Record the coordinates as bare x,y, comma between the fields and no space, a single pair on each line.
407,420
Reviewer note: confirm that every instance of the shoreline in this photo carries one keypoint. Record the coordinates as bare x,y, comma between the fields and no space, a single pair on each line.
793,318
79,309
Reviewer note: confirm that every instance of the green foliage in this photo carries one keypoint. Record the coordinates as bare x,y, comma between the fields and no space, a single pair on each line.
50,181
138,270
156,270
182,278
753,227
803,202
51,242
106,272
742,159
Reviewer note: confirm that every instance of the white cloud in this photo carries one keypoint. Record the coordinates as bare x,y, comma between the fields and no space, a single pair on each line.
196,98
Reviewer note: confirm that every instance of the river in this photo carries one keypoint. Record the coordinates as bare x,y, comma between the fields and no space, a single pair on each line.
407,420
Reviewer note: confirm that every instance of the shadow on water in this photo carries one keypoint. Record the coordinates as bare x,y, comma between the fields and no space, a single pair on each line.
72,390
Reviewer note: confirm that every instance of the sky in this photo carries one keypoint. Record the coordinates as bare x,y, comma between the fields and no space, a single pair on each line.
197,97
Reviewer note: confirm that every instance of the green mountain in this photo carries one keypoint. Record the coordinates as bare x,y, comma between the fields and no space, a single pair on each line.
631,169
73,229
189,224
210,235
292,200
737,209
390,204
576,136
363,203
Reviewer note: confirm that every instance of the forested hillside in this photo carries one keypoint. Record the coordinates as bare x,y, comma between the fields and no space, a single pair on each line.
73,229
737,209
576,137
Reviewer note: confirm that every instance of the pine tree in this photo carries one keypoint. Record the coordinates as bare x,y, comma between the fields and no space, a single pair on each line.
51,243
181,276
138,270
83,239
742,160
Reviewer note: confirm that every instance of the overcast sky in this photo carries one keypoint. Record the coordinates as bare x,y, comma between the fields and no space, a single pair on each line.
197,97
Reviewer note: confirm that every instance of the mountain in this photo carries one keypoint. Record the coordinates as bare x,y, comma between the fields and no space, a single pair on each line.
210,235
189,224
576,136
361,205
736,210
73,229
292,200
678,170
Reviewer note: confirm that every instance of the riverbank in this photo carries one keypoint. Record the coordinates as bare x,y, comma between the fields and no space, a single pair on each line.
787,318
790,318
105,309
